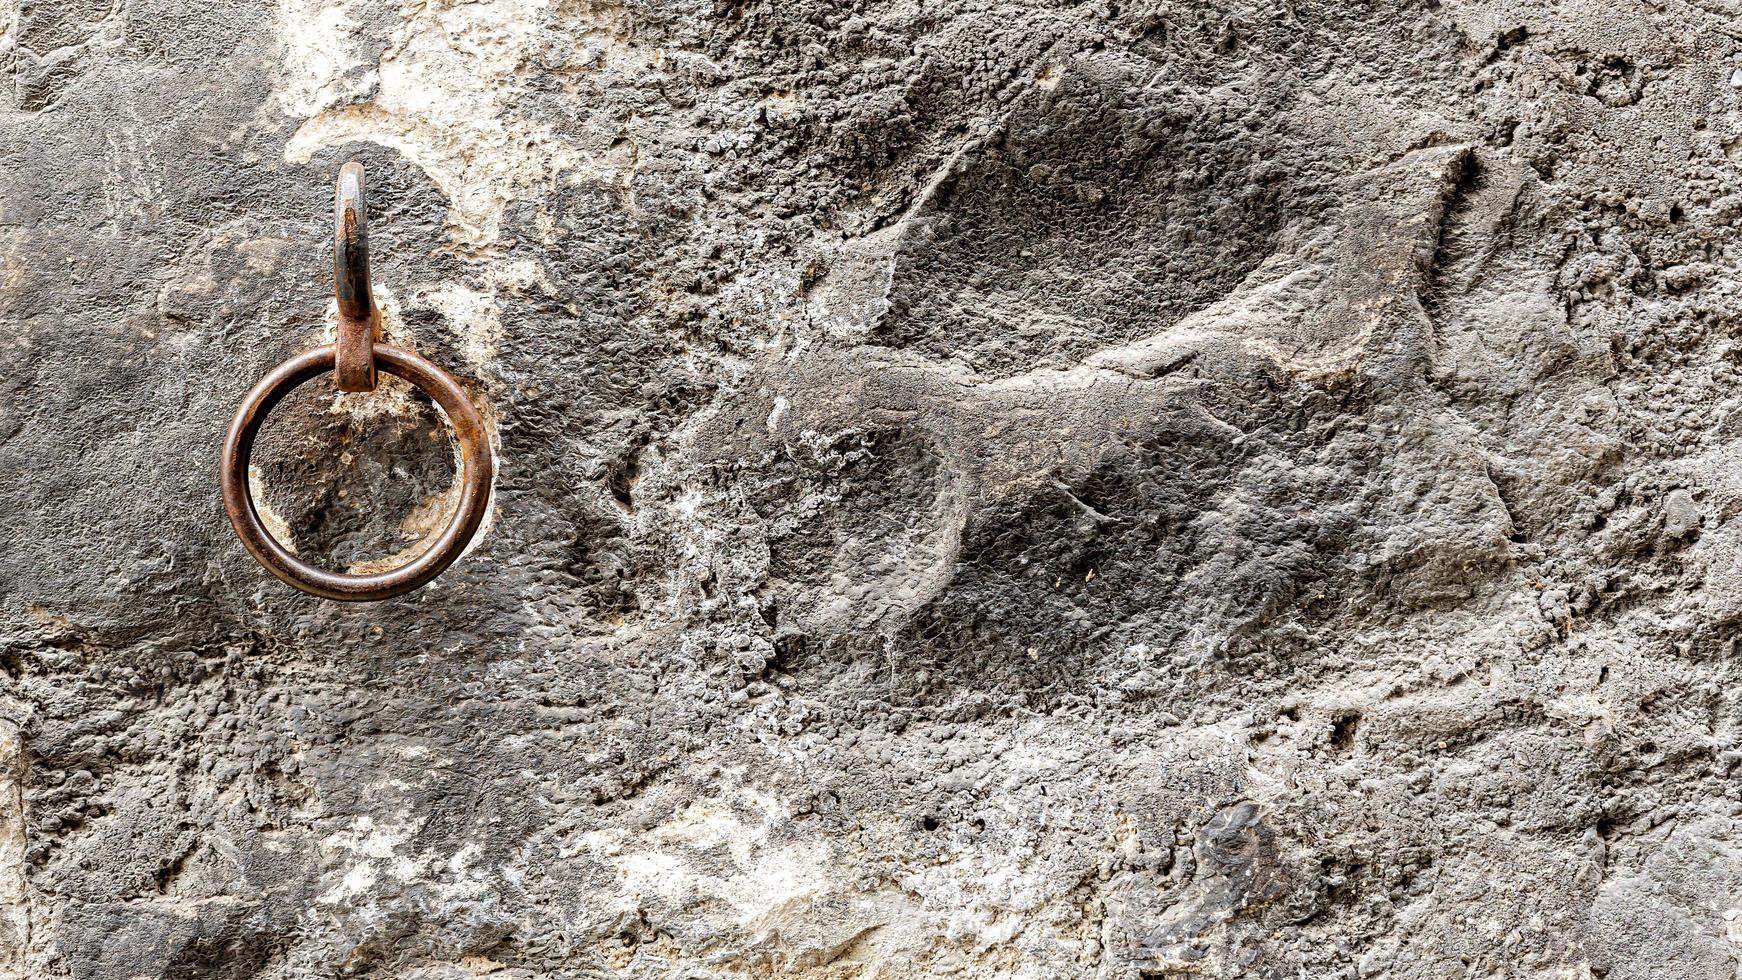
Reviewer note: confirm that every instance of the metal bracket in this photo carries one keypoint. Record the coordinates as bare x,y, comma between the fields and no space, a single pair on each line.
359,319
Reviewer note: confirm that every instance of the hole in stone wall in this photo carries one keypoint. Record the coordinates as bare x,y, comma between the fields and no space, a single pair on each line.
1343,729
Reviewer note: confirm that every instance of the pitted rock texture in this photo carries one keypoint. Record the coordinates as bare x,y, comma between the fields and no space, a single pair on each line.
1127,490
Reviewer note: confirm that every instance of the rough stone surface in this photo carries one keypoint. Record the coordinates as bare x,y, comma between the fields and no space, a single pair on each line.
987,489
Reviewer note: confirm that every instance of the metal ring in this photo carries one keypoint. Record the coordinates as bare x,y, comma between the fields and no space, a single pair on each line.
359,319
477,470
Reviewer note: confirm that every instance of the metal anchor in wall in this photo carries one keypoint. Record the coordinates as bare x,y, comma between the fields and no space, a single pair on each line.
354,360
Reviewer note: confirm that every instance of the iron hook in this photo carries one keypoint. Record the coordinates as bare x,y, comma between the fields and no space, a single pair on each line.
359,318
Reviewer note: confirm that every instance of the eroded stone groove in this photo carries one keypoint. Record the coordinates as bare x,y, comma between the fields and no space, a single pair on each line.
986,489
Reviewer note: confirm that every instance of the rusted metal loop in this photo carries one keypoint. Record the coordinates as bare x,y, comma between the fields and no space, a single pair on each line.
359,319
477,470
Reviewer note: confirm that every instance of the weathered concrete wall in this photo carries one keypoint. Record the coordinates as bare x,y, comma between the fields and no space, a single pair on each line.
1131,489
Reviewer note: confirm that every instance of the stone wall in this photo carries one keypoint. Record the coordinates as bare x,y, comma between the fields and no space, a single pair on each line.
986,489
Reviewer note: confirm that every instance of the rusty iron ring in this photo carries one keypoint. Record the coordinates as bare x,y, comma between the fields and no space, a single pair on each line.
359,318
477,470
